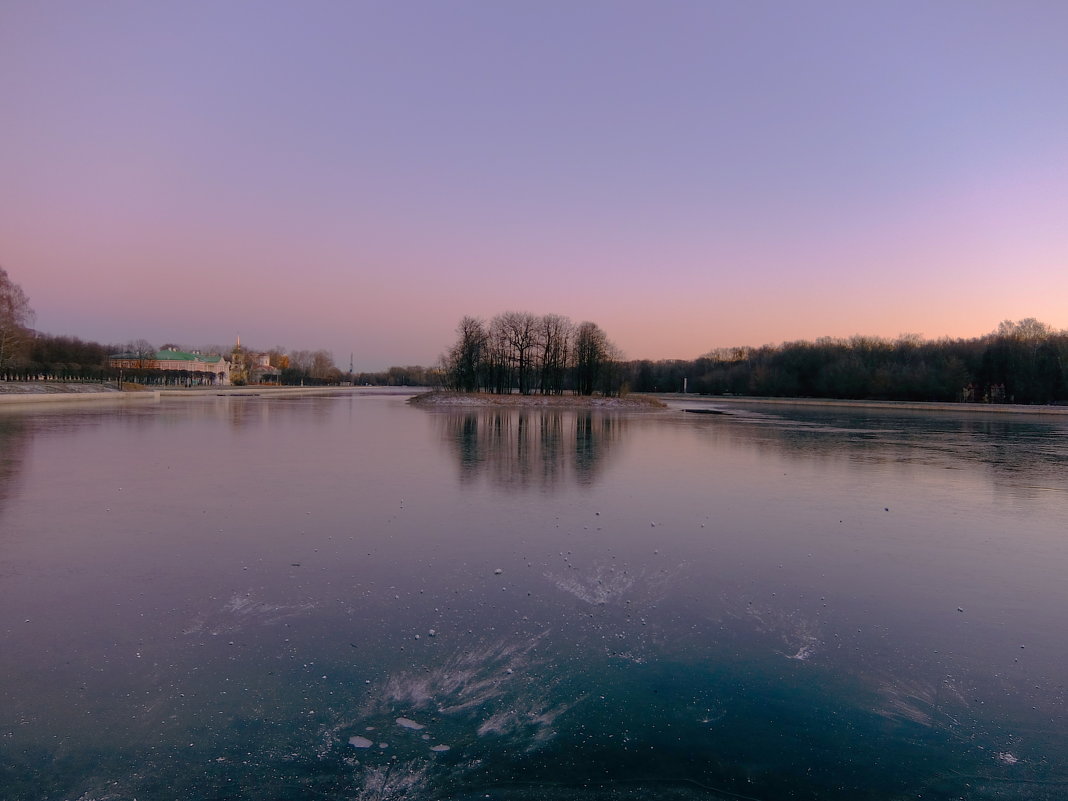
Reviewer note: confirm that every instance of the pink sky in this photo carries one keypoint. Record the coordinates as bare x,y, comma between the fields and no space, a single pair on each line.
690,175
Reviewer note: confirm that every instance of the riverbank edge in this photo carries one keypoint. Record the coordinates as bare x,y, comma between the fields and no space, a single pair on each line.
28,399
17,400
251,391
444,399
917,406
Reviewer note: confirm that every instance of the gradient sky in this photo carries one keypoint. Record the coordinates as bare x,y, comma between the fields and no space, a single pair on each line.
360,175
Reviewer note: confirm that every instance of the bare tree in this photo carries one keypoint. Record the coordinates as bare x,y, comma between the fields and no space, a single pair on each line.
143,352
528,353
16,316
465,364
554,341
1027,330
301,360
498,359
323,367
590,357
518,331
613,377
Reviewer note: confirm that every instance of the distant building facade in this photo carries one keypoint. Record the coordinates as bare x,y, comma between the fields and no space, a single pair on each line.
263,372
249,367
173,366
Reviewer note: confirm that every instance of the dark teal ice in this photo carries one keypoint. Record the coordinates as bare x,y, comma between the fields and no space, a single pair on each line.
350,598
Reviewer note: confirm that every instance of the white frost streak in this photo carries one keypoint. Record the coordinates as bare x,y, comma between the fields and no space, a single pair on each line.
466,681
799,635
393,782
243,610
491,683
925,703
599,586
536,720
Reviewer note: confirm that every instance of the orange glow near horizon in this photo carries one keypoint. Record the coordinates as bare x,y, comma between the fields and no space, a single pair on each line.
359,181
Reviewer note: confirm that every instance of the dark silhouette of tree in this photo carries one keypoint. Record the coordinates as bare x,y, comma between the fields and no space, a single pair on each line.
554,344
517,334
590,357
16,317
464,365
409,376
522,352
1021,362
71,359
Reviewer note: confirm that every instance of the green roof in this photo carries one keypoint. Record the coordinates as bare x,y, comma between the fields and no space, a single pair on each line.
173,356
181,355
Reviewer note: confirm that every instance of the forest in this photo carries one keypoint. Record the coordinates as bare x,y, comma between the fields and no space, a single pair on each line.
1022,362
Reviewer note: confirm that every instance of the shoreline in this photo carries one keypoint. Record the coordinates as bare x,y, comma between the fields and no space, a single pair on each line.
98,394
253,390
48,394
21,400
916,406
441,399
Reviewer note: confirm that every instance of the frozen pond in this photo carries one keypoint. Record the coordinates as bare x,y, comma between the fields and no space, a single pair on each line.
347,597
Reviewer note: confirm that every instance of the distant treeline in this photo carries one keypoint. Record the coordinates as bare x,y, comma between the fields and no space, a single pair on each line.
44,357
28,355
1020,362
59,358
413,376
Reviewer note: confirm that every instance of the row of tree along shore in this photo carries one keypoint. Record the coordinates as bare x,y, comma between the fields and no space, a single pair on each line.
1023,362
69,359
44,357
28,355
